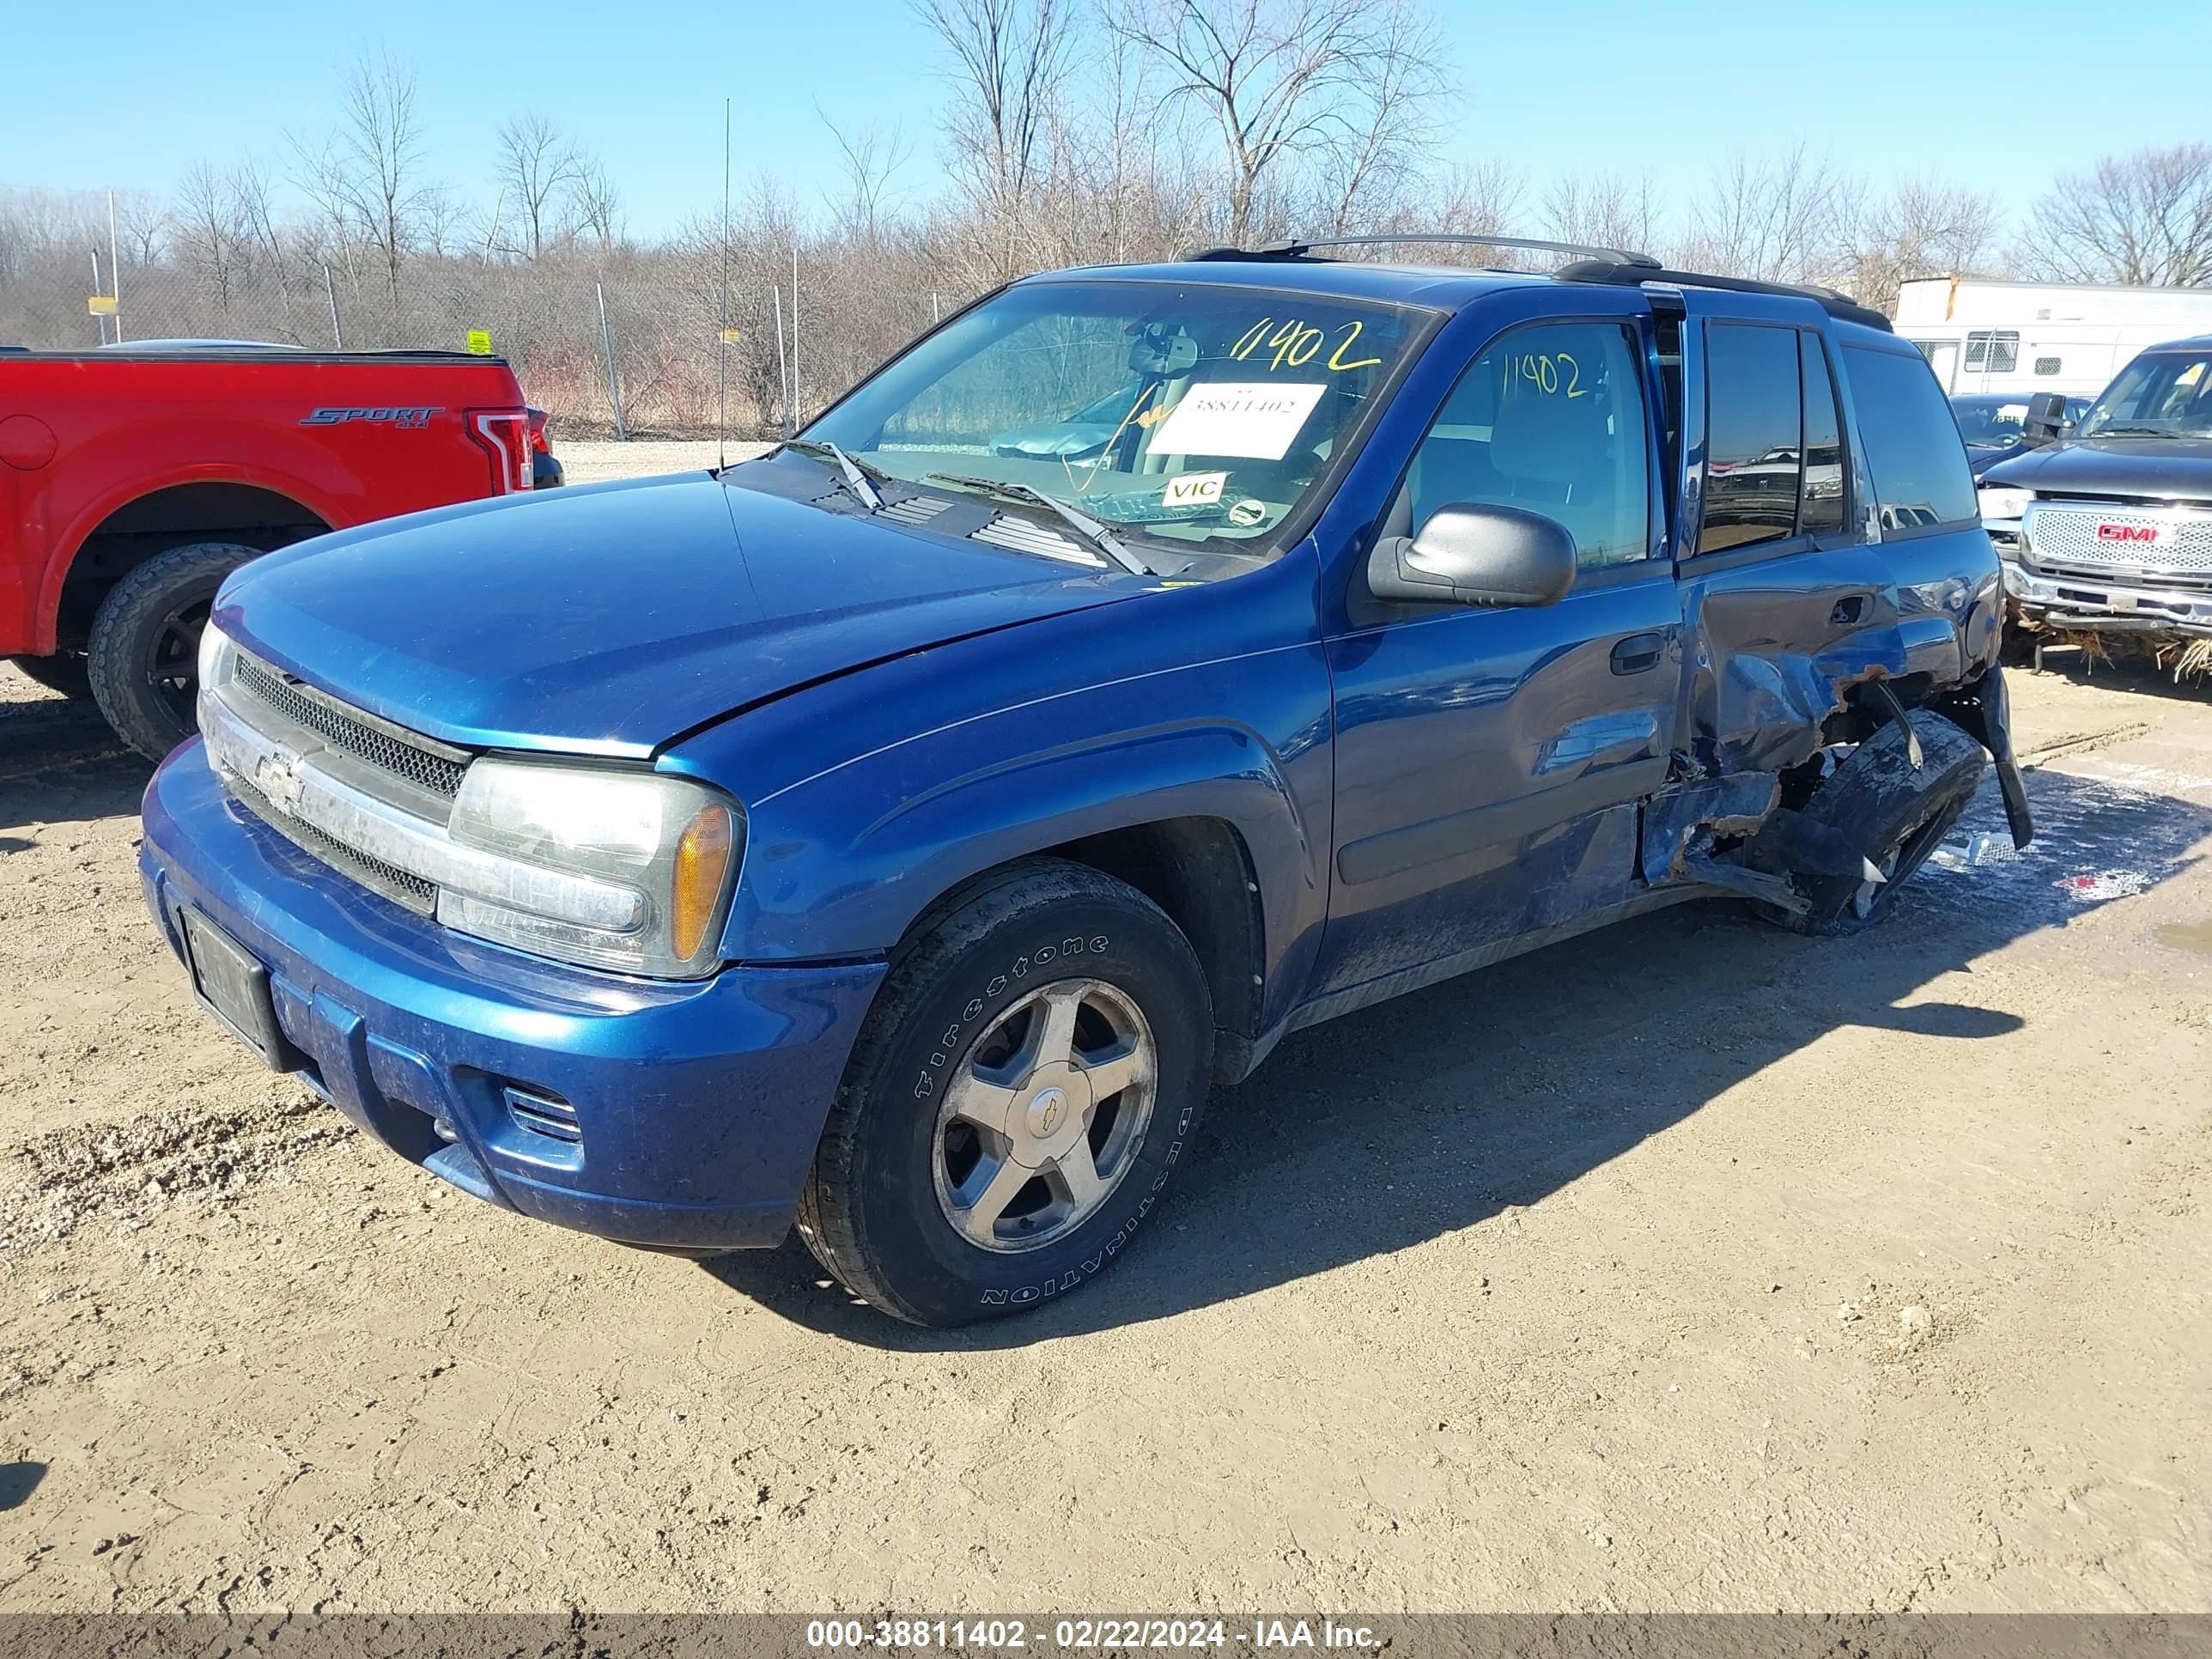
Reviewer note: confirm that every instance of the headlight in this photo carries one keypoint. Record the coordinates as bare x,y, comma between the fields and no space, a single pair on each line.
675,843
2000,503
217,655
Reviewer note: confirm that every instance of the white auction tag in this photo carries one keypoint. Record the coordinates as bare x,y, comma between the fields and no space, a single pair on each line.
1252,418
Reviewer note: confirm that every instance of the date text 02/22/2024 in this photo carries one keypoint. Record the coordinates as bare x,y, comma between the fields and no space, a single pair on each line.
1087,1634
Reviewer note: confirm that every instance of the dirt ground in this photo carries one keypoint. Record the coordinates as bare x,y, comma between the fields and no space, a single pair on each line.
1687,1265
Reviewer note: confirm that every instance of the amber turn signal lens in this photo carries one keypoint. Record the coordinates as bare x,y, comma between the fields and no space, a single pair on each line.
702,860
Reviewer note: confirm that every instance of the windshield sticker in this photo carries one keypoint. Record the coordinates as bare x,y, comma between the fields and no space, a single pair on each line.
1247,418
1194,489
1248,513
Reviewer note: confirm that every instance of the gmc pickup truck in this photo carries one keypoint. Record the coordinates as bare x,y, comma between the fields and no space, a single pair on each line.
900,832
2104,526
134,479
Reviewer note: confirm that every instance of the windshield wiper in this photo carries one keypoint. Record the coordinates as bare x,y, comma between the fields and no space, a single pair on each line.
2129,432
857,478
1096,534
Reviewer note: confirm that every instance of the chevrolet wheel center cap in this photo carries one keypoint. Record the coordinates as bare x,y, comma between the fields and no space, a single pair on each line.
1047,1109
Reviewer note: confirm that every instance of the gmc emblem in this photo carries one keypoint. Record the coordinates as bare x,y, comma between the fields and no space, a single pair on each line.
2127,533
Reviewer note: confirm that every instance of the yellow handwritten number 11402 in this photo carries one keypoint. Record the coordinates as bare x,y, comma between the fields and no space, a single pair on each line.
1295,343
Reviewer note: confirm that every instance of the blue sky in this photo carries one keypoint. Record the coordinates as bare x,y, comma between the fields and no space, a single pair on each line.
132,93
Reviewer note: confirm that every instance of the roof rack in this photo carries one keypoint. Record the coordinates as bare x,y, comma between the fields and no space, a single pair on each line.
1839,306
1298,247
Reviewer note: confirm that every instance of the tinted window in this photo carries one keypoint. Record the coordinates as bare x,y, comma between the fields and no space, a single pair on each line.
1550,418
1821,505
1752,435
1912,446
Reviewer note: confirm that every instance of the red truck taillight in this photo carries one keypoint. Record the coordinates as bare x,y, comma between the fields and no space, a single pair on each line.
505,433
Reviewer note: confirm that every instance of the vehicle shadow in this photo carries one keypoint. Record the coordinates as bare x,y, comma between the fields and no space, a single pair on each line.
1433,1113
60,763
18,1481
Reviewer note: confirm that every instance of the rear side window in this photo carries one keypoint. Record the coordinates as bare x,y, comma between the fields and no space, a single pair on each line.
1820,503
1753,436
1911,443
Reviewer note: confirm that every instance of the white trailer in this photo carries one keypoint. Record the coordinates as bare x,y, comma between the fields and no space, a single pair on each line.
2041,337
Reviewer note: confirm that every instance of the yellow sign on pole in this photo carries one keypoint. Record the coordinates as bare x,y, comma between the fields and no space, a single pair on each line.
480,342
100,305
730,336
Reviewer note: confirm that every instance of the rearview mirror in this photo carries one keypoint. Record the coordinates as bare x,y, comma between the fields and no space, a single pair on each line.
2044,420
1476,554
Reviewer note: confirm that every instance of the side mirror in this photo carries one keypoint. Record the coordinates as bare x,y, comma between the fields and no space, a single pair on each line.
1470,554
2044,420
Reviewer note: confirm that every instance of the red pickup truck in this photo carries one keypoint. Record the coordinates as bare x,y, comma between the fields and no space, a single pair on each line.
134,479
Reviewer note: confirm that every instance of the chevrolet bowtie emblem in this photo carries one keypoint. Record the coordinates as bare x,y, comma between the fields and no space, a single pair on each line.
277,777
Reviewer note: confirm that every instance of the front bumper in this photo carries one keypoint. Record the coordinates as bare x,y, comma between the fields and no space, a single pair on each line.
696,1105
2093,605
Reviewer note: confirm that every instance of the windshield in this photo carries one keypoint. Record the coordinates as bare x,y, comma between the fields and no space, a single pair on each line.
1987,422
2165,395
1184,413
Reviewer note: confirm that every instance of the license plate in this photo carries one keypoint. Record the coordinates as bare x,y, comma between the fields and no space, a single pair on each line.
235,987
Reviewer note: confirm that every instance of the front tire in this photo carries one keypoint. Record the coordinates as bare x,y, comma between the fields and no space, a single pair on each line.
1025,1085
144,655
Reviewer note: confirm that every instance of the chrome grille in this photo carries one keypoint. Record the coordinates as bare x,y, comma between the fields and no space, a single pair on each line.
2065,533
424,768
397,884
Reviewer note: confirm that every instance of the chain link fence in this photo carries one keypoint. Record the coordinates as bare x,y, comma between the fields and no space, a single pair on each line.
628,344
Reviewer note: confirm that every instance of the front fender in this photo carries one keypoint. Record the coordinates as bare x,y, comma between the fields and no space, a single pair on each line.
844,866
843,857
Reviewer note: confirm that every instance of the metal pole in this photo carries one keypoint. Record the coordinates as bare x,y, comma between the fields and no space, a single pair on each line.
796,415
935,313
114,268
722,336
330,288
99,321
782,391
613,385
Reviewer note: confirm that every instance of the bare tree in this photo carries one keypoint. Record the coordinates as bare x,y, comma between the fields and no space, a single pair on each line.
1282,79
381,139
870,156
595,204
210,231
536,164
1776,218
1610,210
2141,218
1381,140
1009,64
319,171
140,221
1923,227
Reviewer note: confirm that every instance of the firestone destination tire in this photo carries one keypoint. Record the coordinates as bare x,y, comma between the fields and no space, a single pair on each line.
1025,1088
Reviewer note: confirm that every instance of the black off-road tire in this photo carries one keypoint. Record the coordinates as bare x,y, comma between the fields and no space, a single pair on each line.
64,671
1886,809
870,1211
152,613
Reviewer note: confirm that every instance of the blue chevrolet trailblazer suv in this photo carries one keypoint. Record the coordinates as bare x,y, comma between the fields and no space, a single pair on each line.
899,833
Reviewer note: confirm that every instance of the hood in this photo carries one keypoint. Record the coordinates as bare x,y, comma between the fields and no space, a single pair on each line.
2174,469
608,619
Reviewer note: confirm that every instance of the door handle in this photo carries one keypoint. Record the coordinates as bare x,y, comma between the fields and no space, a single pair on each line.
1848,610
1638,653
